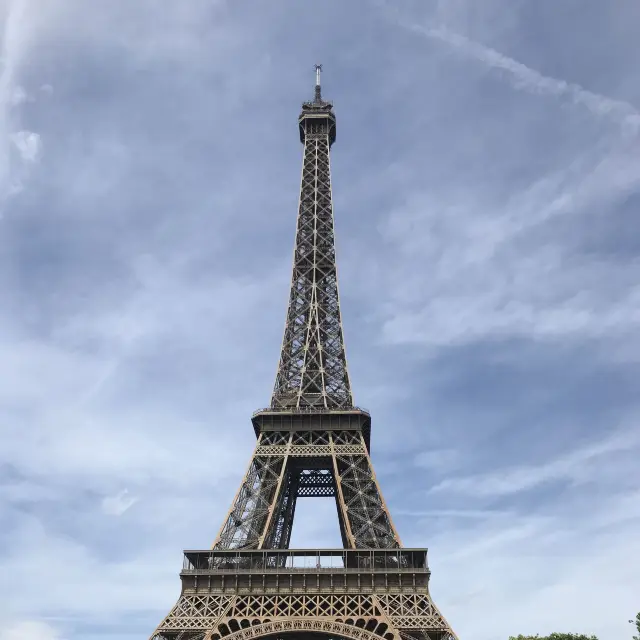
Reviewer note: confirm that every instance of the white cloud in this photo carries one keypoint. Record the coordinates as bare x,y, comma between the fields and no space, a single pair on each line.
19,96
523,77
438,460
125,586
28,144
145,378
116,505
582,464
16,33
531,574
473,514
69,437
474,264
527,567
28,630
471,269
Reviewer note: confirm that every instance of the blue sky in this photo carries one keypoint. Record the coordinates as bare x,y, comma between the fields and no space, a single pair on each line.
486,183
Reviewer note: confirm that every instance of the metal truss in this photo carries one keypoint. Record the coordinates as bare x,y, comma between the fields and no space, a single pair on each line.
361,616
311,442
316,483
313,366
286,466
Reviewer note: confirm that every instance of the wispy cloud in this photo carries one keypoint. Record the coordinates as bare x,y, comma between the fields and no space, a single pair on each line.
549,554
580,465
483,261
28,145
438,460
473,514
29,630
525,78
468,260
144,269
15,35
528,79
116,505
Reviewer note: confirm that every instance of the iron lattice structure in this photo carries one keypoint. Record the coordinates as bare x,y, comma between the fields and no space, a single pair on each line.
311,442
312,373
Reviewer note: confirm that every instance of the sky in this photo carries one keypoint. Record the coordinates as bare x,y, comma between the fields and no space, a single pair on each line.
486,181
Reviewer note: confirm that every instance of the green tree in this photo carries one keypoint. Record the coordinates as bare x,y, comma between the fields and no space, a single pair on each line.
637,623
556,636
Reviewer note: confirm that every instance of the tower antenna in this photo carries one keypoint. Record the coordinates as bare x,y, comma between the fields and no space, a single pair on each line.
318,96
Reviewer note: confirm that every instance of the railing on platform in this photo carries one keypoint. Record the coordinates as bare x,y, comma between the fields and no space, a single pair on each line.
307,410
300,560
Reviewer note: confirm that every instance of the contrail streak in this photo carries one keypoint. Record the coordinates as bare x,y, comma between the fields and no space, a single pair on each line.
523,77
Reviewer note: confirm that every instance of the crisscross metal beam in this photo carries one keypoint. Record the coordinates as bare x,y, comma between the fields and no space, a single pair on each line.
312,442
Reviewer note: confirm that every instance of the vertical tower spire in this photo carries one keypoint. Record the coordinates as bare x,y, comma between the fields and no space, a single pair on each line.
318,93
313,367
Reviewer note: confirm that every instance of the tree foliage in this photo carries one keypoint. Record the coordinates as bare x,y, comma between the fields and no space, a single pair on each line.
637,623
556,636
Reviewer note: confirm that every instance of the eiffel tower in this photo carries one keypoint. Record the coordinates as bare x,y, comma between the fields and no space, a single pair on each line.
311,442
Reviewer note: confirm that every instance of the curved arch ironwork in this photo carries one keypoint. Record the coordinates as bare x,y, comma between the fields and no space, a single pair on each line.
326,627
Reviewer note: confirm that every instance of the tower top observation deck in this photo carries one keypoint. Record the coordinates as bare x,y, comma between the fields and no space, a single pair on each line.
318,113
